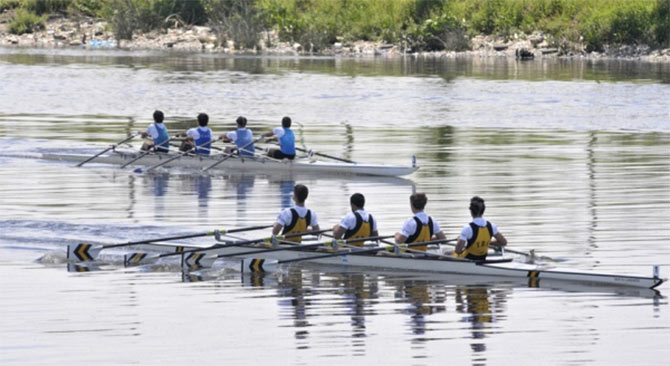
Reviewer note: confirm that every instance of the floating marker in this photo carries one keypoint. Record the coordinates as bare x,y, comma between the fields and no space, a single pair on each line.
259,265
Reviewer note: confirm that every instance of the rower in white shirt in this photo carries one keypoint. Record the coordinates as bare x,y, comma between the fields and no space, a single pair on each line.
199,137
296,219
358,223
420,227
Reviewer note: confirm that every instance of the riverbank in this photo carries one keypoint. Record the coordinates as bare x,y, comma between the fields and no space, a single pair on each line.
94,33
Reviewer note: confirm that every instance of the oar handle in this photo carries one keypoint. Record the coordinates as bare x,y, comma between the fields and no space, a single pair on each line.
181,153
231,155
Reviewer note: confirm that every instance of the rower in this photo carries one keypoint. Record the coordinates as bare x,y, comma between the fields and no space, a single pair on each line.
199,138
420,227
159,134
358,223
242,137
286,139
475,238
296,219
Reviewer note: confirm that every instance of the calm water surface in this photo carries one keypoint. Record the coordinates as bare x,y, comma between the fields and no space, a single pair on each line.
572,157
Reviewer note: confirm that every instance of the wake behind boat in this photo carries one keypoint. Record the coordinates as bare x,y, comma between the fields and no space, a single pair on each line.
237,163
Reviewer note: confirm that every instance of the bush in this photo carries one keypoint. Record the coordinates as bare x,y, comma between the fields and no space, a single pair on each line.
88,7
26,22
236,20
661,21
9,4
47,6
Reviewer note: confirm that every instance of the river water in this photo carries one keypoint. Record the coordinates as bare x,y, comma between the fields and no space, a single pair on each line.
572,157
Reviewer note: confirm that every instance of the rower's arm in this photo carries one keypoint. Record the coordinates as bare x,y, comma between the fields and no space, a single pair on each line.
399,238
276,228
338,231
440,236
460,246
500,240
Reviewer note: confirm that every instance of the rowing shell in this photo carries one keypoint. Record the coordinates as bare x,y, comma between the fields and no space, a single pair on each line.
238,164
431,264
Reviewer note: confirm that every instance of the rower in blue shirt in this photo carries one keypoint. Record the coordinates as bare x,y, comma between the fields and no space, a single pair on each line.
242,137
199,137
159,135
286,139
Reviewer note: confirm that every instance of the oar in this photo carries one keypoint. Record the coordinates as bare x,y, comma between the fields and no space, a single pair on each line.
199,260
324,155
179,155
231,155
87,252
107,149
142,257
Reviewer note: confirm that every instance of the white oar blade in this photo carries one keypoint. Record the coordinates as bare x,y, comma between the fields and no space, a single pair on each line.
138,258
259,265
197,260
83,252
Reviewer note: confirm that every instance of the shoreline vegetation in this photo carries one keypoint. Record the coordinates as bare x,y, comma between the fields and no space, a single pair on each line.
525,29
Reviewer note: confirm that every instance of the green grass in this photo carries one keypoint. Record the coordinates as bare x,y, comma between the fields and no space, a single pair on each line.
417,24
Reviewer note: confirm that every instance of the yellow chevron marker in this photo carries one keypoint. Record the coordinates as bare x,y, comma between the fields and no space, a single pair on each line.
136,258
82,252
257,265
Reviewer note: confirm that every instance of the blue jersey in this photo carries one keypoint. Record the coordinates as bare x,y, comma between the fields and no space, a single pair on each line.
287,142
245,140
162,142
204,142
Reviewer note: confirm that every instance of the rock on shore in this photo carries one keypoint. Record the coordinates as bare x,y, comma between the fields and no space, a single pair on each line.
94,33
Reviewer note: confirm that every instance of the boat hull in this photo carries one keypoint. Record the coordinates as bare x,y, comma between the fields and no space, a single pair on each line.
237,164
430,264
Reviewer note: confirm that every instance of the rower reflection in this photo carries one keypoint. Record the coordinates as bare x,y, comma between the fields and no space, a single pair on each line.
360,292
294,296
286,192
476,303
159,183
422,300
203,185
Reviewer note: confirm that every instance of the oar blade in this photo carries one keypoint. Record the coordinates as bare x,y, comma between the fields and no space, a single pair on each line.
139,258
196,260
83,252
259,265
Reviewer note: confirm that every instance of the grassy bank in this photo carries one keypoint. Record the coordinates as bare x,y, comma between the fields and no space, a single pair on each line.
414,24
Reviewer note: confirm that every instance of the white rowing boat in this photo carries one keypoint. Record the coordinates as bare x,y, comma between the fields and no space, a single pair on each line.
494,267
239,164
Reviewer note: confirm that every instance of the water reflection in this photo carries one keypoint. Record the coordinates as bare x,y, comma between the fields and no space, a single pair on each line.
446,68
475,304
286,192
294,300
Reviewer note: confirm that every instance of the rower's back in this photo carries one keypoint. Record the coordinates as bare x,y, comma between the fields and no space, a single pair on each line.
297,219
